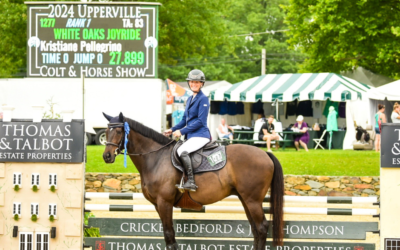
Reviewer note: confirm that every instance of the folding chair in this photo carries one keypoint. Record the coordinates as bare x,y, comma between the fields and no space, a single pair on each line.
318,141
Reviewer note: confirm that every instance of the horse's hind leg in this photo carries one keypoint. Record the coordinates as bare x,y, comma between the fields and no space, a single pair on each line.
165,211
260,223
252,224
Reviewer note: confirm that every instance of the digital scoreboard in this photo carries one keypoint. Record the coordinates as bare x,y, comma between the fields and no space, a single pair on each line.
109,39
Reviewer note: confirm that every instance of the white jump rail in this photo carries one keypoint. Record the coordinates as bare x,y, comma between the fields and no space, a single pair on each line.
289,199
231,209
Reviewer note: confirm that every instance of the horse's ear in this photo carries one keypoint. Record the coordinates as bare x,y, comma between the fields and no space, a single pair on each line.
107,116
121,117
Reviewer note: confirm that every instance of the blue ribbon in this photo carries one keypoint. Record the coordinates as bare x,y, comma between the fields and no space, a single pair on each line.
127,130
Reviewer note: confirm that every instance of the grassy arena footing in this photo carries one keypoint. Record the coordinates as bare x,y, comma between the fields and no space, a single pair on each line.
315,162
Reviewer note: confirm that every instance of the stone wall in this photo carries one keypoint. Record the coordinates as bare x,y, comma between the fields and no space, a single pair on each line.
302,185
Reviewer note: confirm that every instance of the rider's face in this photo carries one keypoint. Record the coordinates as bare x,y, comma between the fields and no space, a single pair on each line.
195,86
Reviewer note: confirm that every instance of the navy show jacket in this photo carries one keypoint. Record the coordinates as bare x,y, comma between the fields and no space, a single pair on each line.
194,121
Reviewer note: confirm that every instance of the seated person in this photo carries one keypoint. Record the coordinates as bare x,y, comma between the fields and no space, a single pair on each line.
267,133
224,130
304,137
261,116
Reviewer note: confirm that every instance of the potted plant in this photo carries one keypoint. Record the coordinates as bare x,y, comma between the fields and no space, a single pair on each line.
51,218
16,188
16,217
35,188
52,188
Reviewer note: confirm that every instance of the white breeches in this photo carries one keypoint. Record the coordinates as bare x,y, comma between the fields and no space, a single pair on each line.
193,144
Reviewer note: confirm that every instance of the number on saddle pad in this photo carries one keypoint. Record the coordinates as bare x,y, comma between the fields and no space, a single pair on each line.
216,158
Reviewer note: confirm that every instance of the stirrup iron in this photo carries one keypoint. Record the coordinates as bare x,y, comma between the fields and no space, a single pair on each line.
180,186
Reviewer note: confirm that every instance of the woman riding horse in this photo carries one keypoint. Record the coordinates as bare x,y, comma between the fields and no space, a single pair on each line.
193,125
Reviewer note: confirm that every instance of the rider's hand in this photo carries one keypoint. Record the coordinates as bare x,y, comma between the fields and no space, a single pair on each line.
168,132
177,133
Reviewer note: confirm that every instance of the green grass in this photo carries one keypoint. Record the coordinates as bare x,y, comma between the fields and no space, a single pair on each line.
329,162
95,162
315,162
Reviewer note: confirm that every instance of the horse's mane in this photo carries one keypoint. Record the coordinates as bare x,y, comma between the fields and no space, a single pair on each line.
147,132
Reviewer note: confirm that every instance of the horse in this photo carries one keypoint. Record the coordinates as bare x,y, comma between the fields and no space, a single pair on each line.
248,173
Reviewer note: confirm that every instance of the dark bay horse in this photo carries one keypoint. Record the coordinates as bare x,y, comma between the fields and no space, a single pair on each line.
249,173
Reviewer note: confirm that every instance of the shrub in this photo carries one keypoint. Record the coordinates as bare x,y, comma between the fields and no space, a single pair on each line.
34,217
16,188
16,217
35,188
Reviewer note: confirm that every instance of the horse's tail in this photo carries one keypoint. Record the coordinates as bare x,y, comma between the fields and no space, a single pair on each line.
276,202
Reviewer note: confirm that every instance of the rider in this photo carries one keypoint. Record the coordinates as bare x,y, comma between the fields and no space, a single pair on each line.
193,125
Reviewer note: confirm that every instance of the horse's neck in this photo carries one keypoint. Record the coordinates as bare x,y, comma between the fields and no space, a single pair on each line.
139,144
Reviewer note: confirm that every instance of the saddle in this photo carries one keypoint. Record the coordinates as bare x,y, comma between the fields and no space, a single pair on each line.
211,157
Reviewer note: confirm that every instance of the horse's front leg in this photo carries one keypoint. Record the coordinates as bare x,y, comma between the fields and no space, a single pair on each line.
165,210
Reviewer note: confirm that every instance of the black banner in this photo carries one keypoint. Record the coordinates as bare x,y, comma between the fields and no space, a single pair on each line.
42,142
96,39
390,145
200,244
232,228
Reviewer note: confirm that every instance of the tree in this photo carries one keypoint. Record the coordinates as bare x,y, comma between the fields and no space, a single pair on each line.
12,37
239,58
340,35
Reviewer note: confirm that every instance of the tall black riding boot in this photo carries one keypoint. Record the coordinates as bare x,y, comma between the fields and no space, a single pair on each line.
187,163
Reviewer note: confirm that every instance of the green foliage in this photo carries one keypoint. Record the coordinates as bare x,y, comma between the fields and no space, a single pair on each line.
16,188
239,57
53,188
51,218
35,188
91,232
34,217
341,35
12,37
16,217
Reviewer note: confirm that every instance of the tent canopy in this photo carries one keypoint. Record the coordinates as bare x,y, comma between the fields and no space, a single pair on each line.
288,87
389,91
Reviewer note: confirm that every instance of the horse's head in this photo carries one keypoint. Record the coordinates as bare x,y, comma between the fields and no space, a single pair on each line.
115,137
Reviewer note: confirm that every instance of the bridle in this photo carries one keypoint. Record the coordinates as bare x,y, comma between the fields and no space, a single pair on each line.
118,150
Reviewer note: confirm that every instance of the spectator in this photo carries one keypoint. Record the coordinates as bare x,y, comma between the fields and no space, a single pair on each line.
379,119
396,113
303,139
224,130
267,133
261,116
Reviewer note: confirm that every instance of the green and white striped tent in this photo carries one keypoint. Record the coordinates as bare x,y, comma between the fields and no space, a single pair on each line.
288,87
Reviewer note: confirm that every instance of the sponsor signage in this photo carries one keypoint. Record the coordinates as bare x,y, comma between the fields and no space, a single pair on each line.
232,228
390,149
42,142
201,244
68,39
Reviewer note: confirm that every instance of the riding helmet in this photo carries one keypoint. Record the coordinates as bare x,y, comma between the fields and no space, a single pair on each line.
196,75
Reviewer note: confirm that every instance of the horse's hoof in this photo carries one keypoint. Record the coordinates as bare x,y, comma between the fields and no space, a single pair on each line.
173,246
